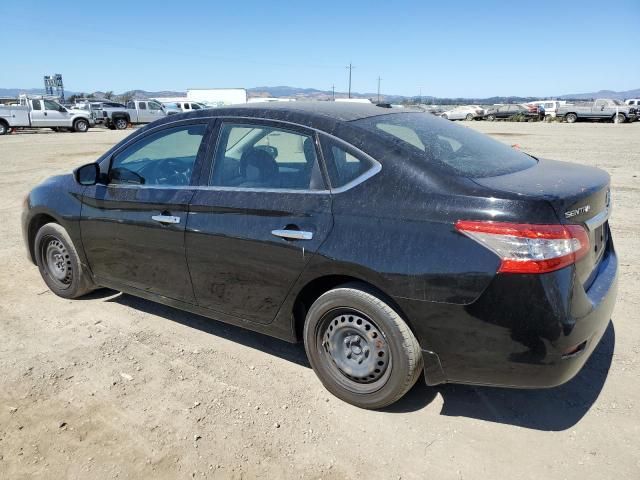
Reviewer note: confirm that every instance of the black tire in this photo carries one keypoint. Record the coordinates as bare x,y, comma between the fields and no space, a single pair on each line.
444,116
621,118
120,123
81,125
4,128
59,263
360,348
491,118
469,117
571,118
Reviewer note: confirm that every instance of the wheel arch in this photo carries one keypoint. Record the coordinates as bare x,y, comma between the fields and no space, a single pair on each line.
318,286
35,224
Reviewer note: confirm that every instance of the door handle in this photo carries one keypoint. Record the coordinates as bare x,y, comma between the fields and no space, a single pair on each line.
166,219
293,234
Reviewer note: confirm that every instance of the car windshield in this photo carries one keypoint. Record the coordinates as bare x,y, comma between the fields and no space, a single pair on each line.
460,150
617,102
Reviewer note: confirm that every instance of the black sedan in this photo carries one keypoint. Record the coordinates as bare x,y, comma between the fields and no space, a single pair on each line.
390,242
502,112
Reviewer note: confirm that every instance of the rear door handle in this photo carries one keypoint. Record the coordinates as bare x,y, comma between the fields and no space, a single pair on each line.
166,219
293,234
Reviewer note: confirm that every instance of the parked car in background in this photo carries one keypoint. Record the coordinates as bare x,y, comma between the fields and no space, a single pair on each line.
550,106
136,112
502,112
464,112
179,107
491,267
601,109
634,102
41,112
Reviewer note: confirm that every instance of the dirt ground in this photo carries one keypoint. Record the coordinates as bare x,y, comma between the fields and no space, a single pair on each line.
112,386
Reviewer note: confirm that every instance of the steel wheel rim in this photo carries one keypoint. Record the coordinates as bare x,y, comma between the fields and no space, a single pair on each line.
57,262
121,124
355,350
82,125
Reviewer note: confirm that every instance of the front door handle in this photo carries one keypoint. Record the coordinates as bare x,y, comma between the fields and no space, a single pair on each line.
166,219
293,234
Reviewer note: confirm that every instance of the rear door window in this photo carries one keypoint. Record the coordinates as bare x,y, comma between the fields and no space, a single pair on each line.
265,157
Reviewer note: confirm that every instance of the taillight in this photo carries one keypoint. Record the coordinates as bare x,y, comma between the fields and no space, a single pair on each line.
529,248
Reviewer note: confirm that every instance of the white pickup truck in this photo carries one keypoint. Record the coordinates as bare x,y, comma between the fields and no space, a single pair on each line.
137,111
38,112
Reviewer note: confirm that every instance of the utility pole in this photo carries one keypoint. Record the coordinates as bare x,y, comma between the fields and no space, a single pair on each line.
379,88
333,92
420,97
350,67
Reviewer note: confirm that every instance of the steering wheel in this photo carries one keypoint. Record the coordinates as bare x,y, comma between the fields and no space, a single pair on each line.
170,172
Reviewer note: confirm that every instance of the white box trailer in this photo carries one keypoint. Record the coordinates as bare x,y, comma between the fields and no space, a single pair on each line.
217,97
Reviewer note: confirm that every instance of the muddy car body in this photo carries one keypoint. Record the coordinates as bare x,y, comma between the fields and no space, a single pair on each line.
390,242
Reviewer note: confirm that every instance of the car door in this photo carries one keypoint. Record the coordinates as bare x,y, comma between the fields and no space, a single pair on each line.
155,111
264,213
54,117
133,224
38,118
143,113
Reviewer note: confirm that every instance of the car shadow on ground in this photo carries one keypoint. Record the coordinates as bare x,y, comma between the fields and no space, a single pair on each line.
288,351
552,409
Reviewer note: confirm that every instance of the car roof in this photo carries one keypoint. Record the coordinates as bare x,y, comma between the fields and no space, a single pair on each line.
304,112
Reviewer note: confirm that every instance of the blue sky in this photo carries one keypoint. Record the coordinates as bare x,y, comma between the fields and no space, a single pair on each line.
450,48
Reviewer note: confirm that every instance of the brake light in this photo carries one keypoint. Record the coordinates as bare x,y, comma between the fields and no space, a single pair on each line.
529,248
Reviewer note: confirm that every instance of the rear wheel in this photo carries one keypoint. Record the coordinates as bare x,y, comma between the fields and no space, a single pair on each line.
80,125
491,117
59,263
621,118
120,123
360,348
469,117
4,129
571,118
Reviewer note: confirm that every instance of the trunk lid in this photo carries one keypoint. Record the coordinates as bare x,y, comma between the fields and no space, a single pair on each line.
578,195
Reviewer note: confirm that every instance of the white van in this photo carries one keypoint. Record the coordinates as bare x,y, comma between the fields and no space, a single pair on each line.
550,106
634,102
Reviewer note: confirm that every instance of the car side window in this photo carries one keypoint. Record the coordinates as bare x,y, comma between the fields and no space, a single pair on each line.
164,158
36,104
49,105
265,157
343,164
142,106
154,106
131,105
195,106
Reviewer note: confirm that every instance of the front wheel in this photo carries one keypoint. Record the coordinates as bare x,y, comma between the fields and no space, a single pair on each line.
571,118
469,117
81,126
360,348
59,263
3,129
491,118
445,117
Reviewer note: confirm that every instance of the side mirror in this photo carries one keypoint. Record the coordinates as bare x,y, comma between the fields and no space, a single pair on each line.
87,174
62,109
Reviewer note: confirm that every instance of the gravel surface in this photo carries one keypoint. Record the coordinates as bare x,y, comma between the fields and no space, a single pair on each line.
113,386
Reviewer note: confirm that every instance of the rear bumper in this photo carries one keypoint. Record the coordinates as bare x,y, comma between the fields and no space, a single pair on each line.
525,331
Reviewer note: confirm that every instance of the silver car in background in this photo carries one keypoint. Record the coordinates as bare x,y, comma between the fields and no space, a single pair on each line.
464,112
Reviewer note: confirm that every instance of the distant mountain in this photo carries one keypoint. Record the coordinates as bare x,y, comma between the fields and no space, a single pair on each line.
315,94
603,94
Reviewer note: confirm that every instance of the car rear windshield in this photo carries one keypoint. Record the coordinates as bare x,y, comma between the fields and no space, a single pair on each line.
458,149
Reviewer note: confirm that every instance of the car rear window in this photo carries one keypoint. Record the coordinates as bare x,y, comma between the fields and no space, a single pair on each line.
458,149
